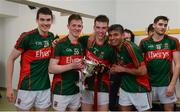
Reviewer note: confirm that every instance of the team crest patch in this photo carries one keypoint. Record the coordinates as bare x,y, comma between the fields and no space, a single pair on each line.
55,103
46,44
18,101
101,55
166,46
158,46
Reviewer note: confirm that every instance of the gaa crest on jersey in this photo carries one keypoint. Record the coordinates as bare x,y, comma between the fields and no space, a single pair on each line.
101,55
46,43
158,46
166,46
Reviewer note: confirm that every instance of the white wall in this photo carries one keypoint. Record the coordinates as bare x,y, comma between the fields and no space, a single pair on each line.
138,14
2,52
8,9
92,7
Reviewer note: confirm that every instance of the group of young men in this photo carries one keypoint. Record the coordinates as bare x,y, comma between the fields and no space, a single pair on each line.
142,70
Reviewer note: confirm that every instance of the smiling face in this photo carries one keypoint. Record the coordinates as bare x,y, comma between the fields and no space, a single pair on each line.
115,37
127,36
160,27
100,29
44,22
75,27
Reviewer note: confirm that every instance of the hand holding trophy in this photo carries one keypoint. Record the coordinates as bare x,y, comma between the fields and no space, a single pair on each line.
92,68
89,68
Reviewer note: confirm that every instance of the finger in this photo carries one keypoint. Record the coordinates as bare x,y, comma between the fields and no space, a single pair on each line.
168,93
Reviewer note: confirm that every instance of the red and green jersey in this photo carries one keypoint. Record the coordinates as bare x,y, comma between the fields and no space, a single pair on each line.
158,56
36,50
103,54
129,56
66,82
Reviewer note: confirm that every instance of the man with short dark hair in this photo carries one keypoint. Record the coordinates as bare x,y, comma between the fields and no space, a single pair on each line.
97,50
34,47
134,87
65,64
159,51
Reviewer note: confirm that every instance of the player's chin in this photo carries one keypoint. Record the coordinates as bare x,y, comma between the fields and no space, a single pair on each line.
45,29
114,43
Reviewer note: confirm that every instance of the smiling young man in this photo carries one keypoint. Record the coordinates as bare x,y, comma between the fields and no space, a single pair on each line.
97,49
65,64
134,87
34,47
159,51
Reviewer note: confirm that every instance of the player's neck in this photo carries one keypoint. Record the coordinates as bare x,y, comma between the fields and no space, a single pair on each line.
157,37
41,32
72,38
100,41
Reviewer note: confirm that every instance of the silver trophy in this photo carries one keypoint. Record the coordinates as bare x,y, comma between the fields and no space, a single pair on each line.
89,68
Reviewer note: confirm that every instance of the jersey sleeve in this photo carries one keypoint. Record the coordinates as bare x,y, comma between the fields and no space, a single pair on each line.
175,46
141,46
56,51
135,54
22,42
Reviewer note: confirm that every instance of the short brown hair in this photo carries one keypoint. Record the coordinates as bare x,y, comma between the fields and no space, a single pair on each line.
116,27
44,10
102,18
74,17
160,17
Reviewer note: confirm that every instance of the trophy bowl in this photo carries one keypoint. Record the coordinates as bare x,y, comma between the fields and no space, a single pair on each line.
89,68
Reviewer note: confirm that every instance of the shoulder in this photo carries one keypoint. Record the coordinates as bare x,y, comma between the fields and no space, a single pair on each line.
50,34
171,38
61,39
26,35
84,37
129,44
145,39
174,42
